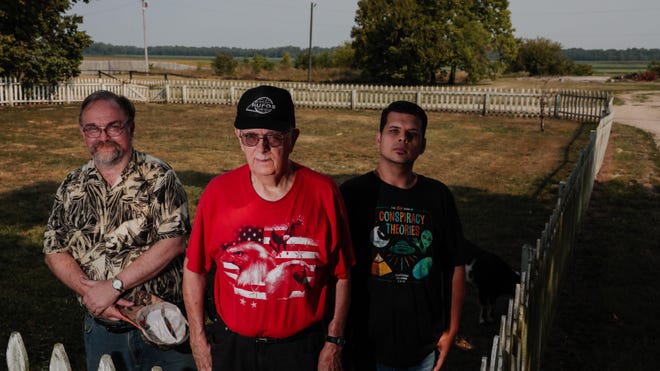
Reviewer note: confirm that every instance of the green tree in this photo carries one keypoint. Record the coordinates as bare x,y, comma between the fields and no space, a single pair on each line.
408,41
224,64
395,41
285,62
541,57
344,55
38,42
481,38
654,66
302,62
259,62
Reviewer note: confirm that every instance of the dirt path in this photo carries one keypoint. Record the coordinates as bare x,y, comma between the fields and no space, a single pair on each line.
640,109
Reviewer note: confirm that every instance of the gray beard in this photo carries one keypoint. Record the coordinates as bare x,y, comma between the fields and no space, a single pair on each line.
105,159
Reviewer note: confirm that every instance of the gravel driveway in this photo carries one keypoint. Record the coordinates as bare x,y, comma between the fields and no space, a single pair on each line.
640,109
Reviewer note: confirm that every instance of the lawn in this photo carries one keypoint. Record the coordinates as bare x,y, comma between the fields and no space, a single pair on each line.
503,171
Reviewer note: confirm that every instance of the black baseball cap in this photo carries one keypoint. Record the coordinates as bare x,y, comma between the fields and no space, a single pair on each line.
265,107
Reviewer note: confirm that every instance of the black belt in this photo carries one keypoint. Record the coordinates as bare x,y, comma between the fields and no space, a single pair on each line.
269,340
116,327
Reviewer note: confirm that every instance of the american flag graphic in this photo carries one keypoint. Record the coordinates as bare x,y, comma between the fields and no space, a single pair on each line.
270,262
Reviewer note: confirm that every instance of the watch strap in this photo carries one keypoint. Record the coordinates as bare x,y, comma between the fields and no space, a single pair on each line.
339,340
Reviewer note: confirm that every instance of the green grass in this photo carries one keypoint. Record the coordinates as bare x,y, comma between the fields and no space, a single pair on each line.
614,68
503,171
607,317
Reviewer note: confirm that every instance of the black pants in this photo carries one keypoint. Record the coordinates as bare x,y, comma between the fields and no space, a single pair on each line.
231,351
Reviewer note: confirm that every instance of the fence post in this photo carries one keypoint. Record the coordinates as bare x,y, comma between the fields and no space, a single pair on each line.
484,112
353,99
68,92
557,103
10,91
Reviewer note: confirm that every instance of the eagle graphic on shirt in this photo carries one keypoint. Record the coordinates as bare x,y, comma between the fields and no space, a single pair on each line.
270,262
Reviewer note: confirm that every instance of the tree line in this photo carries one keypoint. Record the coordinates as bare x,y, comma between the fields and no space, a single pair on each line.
574,54
101,49
630,54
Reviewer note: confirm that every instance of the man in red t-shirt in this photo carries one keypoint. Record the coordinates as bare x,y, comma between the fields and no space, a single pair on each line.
276,234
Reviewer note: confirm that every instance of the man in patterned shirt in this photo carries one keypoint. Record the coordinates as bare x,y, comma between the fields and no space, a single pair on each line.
117,233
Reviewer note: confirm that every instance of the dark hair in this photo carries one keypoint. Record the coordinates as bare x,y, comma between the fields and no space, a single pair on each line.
402,106
124,103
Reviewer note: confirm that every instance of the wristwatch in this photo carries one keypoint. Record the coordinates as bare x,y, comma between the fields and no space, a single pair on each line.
117,284
339,340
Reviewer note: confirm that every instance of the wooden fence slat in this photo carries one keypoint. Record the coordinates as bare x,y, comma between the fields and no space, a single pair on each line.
58,359
106,364
17,358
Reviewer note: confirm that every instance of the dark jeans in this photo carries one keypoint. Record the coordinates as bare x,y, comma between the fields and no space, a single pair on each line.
130,352
231,351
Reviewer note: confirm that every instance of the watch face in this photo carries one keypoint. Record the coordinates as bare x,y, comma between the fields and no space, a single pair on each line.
117,284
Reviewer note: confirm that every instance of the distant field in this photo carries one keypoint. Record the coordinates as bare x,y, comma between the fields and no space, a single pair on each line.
612,68
600,68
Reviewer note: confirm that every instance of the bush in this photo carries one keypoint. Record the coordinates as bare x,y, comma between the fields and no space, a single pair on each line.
259,62
224,64
285,62
578,69
647,76
654,66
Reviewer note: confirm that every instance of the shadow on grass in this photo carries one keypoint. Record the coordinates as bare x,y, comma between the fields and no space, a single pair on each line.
609,302
34,302
551,178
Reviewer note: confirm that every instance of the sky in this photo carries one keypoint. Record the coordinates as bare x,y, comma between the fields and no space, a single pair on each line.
587,24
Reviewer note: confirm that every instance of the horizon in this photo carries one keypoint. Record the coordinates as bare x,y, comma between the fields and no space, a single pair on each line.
319,47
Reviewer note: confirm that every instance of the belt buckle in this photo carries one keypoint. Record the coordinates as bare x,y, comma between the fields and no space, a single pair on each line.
262,340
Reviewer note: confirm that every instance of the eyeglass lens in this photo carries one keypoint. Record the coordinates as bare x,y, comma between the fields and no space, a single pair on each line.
272,140
112,130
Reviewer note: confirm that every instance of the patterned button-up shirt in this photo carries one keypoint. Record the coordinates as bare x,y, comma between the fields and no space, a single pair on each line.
106,227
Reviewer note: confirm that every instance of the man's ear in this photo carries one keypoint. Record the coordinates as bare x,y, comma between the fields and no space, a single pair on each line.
423,145
378,135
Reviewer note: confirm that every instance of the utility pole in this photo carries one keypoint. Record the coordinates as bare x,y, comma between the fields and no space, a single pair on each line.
145,4
309,66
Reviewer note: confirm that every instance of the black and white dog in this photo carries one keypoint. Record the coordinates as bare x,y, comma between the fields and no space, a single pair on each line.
493,278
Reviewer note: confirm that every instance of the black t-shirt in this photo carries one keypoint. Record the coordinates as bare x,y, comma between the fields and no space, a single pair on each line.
407,242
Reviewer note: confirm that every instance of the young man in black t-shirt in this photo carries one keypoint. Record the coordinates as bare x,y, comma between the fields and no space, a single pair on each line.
409,280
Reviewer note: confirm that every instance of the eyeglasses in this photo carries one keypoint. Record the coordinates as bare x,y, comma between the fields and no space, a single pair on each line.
271,140
113,129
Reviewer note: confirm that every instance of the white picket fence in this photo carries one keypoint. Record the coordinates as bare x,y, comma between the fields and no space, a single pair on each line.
568,104
525,329
17,358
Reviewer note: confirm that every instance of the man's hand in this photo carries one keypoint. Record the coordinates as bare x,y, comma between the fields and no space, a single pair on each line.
444,344
330,357
99,295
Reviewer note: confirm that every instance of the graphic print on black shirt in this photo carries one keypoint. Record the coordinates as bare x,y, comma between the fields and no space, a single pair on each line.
401,244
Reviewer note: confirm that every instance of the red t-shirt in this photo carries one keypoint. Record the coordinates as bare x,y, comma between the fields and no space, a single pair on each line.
274,260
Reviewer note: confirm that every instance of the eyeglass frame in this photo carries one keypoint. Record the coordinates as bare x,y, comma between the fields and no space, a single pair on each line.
266,138
104,129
